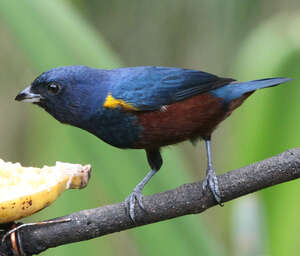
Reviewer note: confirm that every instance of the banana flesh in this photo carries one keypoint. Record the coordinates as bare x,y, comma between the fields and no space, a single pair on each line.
26,190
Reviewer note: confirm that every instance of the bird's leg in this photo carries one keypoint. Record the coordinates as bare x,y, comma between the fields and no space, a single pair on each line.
155,161
211,178
137,196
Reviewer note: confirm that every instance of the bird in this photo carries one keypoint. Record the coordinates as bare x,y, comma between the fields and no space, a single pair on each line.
145,107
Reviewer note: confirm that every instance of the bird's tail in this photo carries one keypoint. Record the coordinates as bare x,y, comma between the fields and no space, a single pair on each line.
261,83
237,89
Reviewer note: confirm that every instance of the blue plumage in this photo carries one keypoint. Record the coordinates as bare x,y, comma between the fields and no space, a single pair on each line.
235,90
149,88
115,127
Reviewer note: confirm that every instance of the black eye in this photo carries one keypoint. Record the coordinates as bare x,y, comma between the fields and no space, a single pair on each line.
53,88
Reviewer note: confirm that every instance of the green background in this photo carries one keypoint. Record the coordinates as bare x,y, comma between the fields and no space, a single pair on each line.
247,39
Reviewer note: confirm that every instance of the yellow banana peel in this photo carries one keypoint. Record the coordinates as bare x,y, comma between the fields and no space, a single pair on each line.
26,190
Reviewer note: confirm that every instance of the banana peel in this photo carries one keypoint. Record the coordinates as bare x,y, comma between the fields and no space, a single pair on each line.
26,190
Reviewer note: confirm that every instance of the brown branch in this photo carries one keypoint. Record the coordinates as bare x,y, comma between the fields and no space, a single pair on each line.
186,199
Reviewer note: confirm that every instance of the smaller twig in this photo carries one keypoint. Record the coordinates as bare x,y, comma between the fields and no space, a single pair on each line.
46,222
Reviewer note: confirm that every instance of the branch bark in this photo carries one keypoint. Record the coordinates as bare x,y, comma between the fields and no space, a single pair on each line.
186,199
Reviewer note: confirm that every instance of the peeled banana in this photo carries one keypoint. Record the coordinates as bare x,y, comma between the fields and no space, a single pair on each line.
26,190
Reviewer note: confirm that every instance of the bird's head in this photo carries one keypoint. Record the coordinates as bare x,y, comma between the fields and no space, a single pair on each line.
67,93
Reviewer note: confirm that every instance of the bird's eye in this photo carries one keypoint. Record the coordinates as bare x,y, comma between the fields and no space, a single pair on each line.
53,88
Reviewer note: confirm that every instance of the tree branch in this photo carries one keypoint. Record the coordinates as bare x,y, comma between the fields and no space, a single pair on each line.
186,199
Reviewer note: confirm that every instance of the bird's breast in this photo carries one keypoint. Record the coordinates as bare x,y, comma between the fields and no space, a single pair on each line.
192,118
116,127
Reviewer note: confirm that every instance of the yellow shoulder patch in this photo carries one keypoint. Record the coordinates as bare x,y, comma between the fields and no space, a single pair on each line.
111,102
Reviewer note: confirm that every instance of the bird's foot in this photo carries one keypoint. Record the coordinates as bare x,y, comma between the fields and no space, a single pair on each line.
135,196
212,182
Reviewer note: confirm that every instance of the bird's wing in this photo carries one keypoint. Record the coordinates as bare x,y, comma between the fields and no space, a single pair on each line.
150,88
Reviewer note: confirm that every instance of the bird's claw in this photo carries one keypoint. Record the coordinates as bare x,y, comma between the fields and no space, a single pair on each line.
135,196
212,182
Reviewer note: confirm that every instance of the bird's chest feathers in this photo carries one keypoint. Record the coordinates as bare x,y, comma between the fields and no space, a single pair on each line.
115,126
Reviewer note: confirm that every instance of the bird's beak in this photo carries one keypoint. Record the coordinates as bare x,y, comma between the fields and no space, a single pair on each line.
27,96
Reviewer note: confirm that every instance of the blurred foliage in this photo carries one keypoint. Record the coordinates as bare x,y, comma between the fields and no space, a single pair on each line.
244,39
273,49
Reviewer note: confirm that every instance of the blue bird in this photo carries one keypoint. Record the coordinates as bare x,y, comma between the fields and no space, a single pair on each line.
143,108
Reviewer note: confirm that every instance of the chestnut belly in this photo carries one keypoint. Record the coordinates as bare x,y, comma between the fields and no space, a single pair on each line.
188,119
